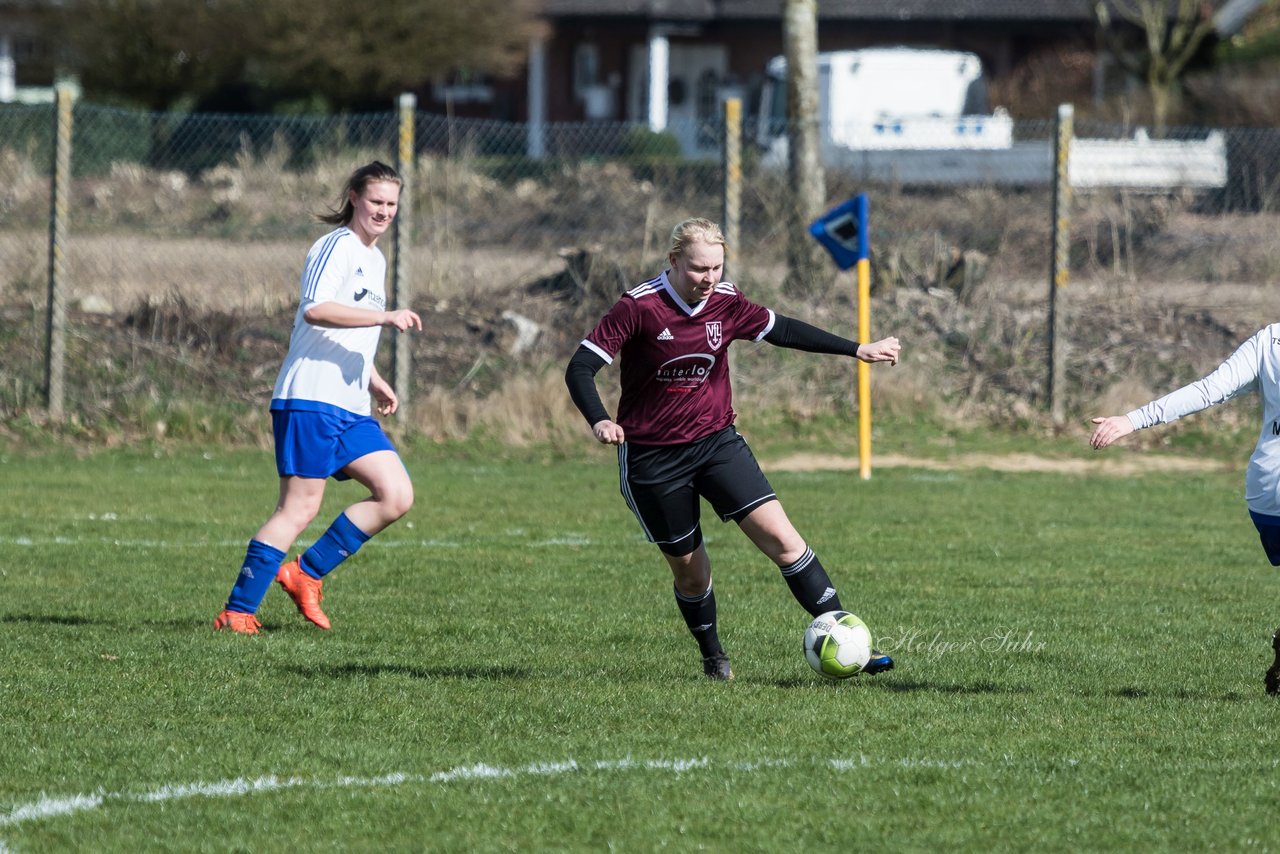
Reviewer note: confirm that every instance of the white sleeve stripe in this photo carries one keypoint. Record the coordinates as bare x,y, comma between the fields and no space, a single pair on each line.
608,360
768,327
645,287
322,259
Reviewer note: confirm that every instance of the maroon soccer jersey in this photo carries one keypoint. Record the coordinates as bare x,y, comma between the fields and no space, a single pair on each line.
675,358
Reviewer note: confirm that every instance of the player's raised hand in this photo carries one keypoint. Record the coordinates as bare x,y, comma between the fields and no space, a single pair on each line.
1108,429
402,319
608,433
884,350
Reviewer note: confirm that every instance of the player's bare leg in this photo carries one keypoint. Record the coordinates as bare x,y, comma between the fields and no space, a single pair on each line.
390,491
299,502
297,505
390,497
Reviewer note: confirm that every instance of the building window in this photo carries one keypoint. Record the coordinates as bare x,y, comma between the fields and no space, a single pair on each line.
586,69
708,108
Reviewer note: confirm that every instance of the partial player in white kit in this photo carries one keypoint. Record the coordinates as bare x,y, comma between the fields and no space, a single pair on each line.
1253,367
321,411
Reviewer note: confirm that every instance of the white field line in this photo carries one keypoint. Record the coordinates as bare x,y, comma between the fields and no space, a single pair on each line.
42,542
46,807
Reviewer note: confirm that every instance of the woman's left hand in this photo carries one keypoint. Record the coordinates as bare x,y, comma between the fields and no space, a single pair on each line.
884,350
1108,428
384,394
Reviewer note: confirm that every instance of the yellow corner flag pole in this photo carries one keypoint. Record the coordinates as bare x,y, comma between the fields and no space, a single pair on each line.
862,205
864,370
844,232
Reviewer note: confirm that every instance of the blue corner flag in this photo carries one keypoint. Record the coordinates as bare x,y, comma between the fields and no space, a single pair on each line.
843,231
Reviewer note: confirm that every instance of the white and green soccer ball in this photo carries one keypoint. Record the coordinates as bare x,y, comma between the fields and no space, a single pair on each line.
837,645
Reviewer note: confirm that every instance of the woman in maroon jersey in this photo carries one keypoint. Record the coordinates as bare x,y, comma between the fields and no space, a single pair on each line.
674,429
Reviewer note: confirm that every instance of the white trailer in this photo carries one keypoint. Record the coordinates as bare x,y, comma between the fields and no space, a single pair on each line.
920,117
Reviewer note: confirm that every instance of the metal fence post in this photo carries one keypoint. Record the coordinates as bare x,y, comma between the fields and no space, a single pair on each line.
731,201
401,288
55,354
1059,264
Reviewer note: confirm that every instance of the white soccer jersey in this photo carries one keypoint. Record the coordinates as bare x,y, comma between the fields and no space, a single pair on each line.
1254,366
326,367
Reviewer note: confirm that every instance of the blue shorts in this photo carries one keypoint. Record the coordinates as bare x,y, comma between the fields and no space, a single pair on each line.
322,444
1269,532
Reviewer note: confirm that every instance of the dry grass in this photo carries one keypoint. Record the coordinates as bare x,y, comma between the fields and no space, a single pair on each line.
1159,292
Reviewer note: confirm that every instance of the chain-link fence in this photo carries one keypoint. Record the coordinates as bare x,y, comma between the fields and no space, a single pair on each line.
216,207
215,211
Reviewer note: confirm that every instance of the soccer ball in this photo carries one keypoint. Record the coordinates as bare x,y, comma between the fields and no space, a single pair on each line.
837,645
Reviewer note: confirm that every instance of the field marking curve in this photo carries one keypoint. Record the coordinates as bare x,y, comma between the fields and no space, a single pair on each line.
46,807
390,543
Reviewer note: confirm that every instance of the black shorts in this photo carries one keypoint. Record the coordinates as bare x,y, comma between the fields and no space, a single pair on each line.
662,484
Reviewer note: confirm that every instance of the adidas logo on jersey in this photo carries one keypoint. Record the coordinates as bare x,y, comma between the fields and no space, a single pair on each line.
665,335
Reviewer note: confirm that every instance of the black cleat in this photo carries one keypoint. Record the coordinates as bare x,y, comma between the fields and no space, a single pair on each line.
717,667
878,663
1272,679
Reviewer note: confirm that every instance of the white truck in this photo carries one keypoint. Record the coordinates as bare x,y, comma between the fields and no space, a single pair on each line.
918,116
880,99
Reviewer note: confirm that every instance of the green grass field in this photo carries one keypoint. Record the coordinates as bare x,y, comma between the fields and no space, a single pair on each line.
1080,667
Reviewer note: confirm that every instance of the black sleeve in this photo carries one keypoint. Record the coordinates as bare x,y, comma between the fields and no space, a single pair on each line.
798,335
580,377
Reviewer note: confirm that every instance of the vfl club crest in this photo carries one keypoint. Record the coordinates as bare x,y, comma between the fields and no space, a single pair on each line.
713,334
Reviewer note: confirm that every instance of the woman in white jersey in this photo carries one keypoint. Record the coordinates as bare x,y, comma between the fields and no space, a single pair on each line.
321,409
674,425
1254,366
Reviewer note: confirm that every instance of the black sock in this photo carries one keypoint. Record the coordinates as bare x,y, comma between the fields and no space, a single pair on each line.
811,585
699,614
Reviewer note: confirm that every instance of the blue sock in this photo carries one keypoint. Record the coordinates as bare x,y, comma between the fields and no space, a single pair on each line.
341,541
261,563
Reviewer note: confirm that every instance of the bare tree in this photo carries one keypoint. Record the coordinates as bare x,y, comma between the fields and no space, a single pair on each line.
1172,31
805,269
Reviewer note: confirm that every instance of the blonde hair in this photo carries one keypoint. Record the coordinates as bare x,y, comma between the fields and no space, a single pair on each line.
694,230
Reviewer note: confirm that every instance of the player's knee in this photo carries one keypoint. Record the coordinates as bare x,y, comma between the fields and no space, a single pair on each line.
790,552
692,588
692,576
399,500
297,515
393,497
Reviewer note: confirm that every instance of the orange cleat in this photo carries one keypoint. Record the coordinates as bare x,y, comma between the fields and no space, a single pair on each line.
237,621
304,591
